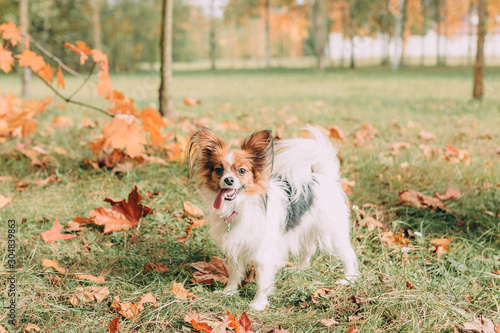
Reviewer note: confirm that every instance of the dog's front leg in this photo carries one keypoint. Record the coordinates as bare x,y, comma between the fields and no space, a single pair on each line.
265,274
236,275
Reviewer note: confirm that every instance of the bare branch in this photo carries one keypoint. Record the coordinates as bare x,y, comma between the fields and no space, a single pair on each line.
83,83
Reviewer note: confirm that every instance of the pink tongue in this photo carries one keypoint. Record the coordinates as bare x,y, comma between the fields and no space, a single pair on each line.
221,195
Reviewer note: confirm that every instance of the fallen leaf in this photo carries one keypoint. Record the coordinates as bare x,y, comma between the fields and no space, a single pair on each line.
62,121
114,326
30,327
209,272
195,224
50,179
396,146
450,194
189,101
55,233
347,185
245,322
123,214
233,323
321,293
191,210
426,136
336,133
352,329
200,321
88,294
416,199
130,310
480,325
93,278
328,322
4,201
409,285
180,292
73,226
46,263
370,223
441,245
158,267
391,239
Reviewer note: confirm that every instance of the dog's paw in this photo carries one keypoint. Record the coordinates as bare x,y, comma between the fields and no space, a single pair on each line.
258,305
229,292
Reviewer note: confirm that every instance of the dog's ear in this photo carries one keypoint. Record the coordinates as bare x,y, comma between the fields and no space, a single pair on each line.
260,148
200,150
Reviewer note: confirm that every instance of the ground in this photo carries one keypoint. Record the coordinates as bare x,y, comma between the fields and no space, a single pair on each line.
403,287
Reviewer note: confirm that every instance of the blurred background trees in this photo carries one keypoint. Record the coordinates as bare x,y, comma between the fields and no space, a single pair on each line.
266,33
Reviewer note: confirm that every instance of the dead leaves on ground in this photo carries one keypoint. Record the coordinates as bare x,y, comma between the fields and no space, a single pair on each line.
130,310
84,295
55,233
416,199
216,270
228,323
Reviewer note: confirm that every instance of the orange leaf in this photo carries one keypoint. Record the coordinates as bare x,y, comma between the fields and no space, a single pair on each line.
336,133
11,32
191,210
46,263
208,272
245,322
88,294
191,101
123,215
158,267
129,310
6,60
416,199
30,59
391,239
233,323
450,194
60,79
201,326
114,326
46,73
91,278
62,121
104,88
180,292
55,233
151,122
123,132
78,50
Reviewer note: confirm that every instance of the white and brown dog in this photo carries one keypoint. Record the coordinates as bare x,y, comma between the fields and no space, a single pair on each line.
271,198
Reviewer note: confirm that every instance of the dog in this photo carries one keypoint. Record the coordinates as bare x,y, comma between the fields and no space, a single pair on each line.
270,198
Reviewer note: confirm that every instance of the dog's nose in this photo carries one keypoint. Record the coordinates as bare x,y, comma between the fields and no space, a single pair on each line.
229,181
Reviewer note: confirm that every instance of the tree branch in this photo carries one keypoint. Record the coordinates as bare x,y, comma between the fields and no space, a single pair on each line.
69,100
53,57
84,82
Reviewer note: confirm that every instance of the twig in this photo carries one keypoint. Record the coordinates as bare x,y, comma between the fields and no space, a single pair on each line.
84,82
149,322
53,326
53,57
69,100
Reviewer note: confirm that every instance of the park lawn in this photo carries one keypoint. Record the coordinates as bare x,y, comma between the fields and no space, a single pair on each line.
407,288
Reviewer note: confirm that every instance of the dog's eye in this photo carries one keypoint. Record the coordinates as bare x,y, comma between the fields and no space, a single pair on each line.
242,171
219,171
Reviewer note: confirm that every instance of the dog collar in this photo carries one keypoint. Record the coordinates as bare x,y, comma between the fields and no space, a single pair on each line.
228,220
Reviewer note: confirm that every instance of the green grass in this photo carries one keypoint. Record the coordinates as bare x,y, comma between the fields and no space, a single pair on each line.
449,290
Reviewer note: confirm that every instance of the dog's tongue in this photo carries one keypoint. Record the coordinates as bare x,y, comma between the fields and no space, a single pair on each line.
221,195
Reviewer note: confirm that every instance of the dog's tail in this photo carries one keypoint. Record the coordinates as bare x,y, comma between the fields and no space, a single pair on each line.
297,159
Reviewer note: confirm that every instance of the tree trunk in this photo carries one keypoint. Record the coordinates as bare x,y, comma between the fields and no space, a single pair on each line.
268,33
398,36
351,32
438,34
213,42
320,32
403,26
479,66
166,105
97,23
23,22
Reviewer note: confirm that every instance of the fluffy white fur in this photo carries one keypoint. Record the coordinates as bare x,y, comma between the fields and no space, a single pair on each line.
258,235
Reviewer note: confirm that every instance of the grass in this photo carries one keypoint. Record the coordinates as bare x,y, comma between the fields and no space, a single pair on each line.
448,290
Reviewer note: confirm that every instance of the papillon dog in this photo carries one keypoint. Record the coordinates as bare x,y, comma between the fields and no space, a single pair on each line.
270,198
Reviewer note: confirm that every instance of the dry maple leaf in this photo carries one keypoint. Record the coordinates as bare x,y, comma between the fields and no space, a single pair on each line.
55,233
6,60
88,294
352,329
93,278
114,326
321,293
347,185
233,323
129,310
416,199
441,245
30,327
62,121
189,101
328,322
46,263
123,214
208,272
30,59
4,201
336,133
158,267
124,132
245,322
370,223
191,210
391,239
481,324
180,292
451,193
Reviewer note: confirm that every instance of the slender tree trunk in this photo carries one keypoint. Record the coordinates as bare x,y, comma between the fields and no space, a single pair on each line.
398,36
468,57
166,104
403,27
352,65
343,24
213,43
446,34
96,20
268,33
438,34
23,18
320,32
479,65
